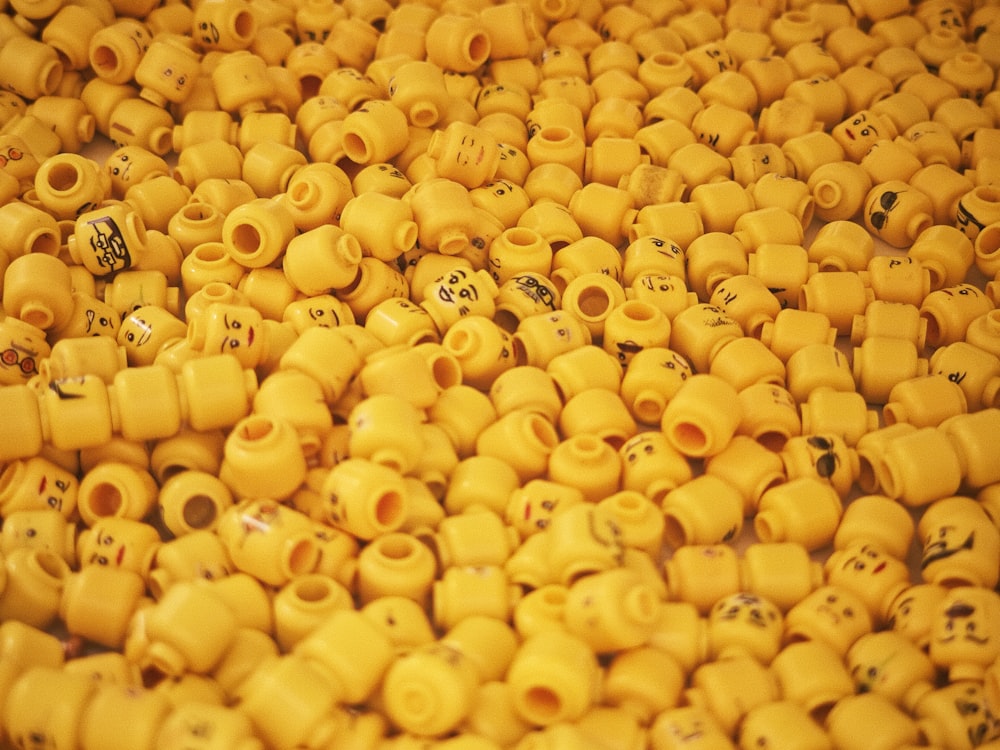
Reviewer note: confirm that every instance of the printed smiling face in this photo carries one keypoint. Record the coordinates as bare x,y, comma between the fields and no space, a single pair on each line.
745,623
961,546
688,727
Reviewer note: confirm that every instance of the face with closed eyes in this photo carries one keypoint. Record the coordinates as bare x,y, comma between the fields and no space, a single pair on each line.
868,571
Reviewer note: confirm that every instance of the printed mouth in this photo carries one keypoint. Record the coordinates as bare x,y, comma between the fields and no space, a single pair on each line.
120,556
250,337
879,568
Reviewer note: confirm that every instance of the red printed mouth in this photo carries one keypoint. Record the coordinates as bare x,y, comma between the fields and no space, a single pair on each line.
120,556
879,568
850,134
250,337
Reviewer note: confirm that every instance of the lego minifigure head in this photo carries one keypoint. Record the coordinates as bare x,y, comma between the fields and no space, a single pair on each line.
859,132
964,636
37,483
896,212
130,165
912,612
651,465
96,316
230,329
323,311
22,347
42,529
888,663
869,572
745,623
831,614
382,177
118,543
145,331
531,508
823,456
499,97
501,198
961,545
977,209
465,153
689,727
